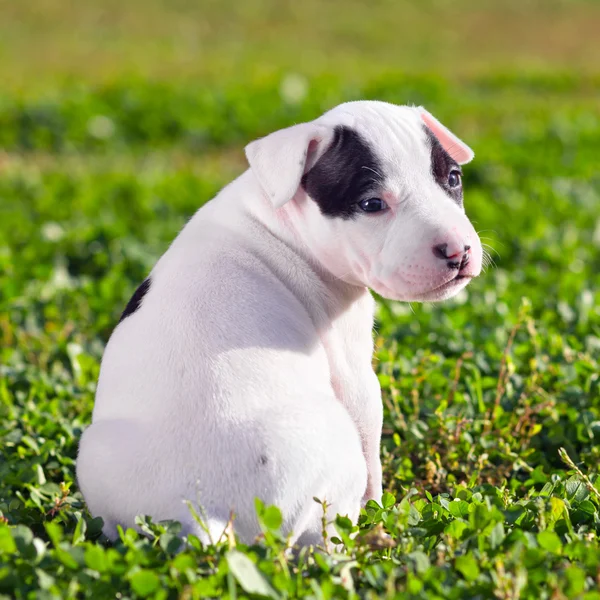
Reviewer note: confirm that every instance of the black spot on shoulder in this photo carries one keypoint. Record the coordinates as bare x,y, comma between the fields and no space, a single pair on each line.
263,460
441,165
136,299
346,173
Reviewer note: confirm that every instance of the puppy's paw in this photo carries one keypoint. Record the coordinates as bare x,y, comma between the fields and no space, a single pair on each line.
372,493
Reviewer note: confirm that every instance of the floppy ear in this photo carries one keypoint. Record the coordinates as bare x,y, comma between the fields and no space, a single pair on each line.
280,159
455,147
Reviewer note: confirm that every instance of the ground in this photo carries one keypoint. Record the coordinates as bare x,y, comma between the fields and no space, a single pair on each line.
117,120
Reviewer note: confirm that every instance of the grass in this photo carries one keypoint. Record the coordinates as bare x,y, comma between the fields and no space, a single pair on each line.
203,41
492,401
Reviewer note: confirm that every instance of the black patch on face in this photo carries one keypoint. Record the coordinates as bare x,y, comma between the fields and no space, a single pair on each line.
136,299
441,165
347,172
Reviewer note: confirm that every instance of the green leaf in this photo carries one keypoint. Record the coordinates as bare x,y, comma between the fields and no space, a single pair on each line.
272,518
248,576
576,489
459,508
420,561
322,563
170,543
548,540
183,561
343,524
557,508
576,581
455,529
413,583
587,507
515,514
388,500
372,504
66,557
144,582
55,532
7,543
79,533
497,535
95,558
479,517
468,566
41,478
45,580
414,516
23,539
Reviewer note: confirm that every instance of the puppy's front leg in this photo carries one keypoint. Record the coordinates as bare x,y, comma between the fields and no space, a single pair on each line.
360,394
349,348
371,421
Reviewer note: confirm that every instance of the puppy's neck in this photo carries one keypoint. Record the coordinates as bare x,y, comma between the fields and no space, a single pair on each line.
278,235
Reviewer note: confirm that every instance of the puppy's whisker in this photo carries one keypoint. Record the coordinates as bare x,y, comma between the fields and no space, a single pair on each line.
483,238
489,249
487,261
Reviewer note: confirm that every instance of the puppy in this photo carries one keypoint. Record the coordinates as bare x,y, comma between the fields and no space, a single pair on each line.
241,366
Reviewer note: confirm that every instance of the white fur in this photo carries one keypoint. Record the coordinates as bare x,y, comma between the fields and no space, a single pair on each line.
246,372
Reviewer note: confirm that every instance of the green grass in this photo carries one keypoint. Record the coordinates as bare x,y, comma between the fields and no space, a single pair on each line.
115,128
45,41
480,393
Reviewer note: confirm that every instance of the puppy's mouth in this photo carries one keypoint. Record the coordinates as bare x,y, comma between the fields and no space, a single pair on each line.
446,290
441,291
456,280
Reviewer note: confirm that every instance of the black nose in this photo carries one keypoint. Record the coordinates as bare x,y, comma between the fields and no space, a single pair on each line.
440,251
455,261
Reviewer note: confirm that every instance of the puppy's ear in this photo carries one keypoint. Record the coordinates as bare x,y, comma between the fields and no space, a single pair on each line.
280,159
455,147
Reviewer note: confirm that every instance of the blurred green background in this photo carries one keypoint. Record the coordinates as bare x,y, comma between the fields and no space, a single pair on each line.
119,119
215,41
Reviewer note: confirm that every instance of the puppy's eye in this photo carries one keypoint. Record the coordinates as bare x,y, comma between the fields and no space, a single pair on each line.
454,178
372,205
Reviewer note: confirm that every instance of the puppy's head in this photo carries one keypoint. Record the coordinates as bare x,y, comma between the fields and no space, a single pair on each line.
376,192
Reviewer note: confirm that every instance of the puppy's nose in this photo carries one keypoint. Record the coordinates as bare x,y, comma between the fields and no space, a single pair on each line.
456,260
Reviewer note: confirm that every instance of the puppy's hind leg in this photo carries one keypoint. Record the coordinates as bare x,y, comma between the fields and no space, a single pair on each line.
124,471
319,517
329,465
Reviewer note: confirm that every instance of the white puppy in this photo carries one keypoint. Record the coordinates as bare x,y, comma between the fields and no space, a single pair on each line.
241,367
